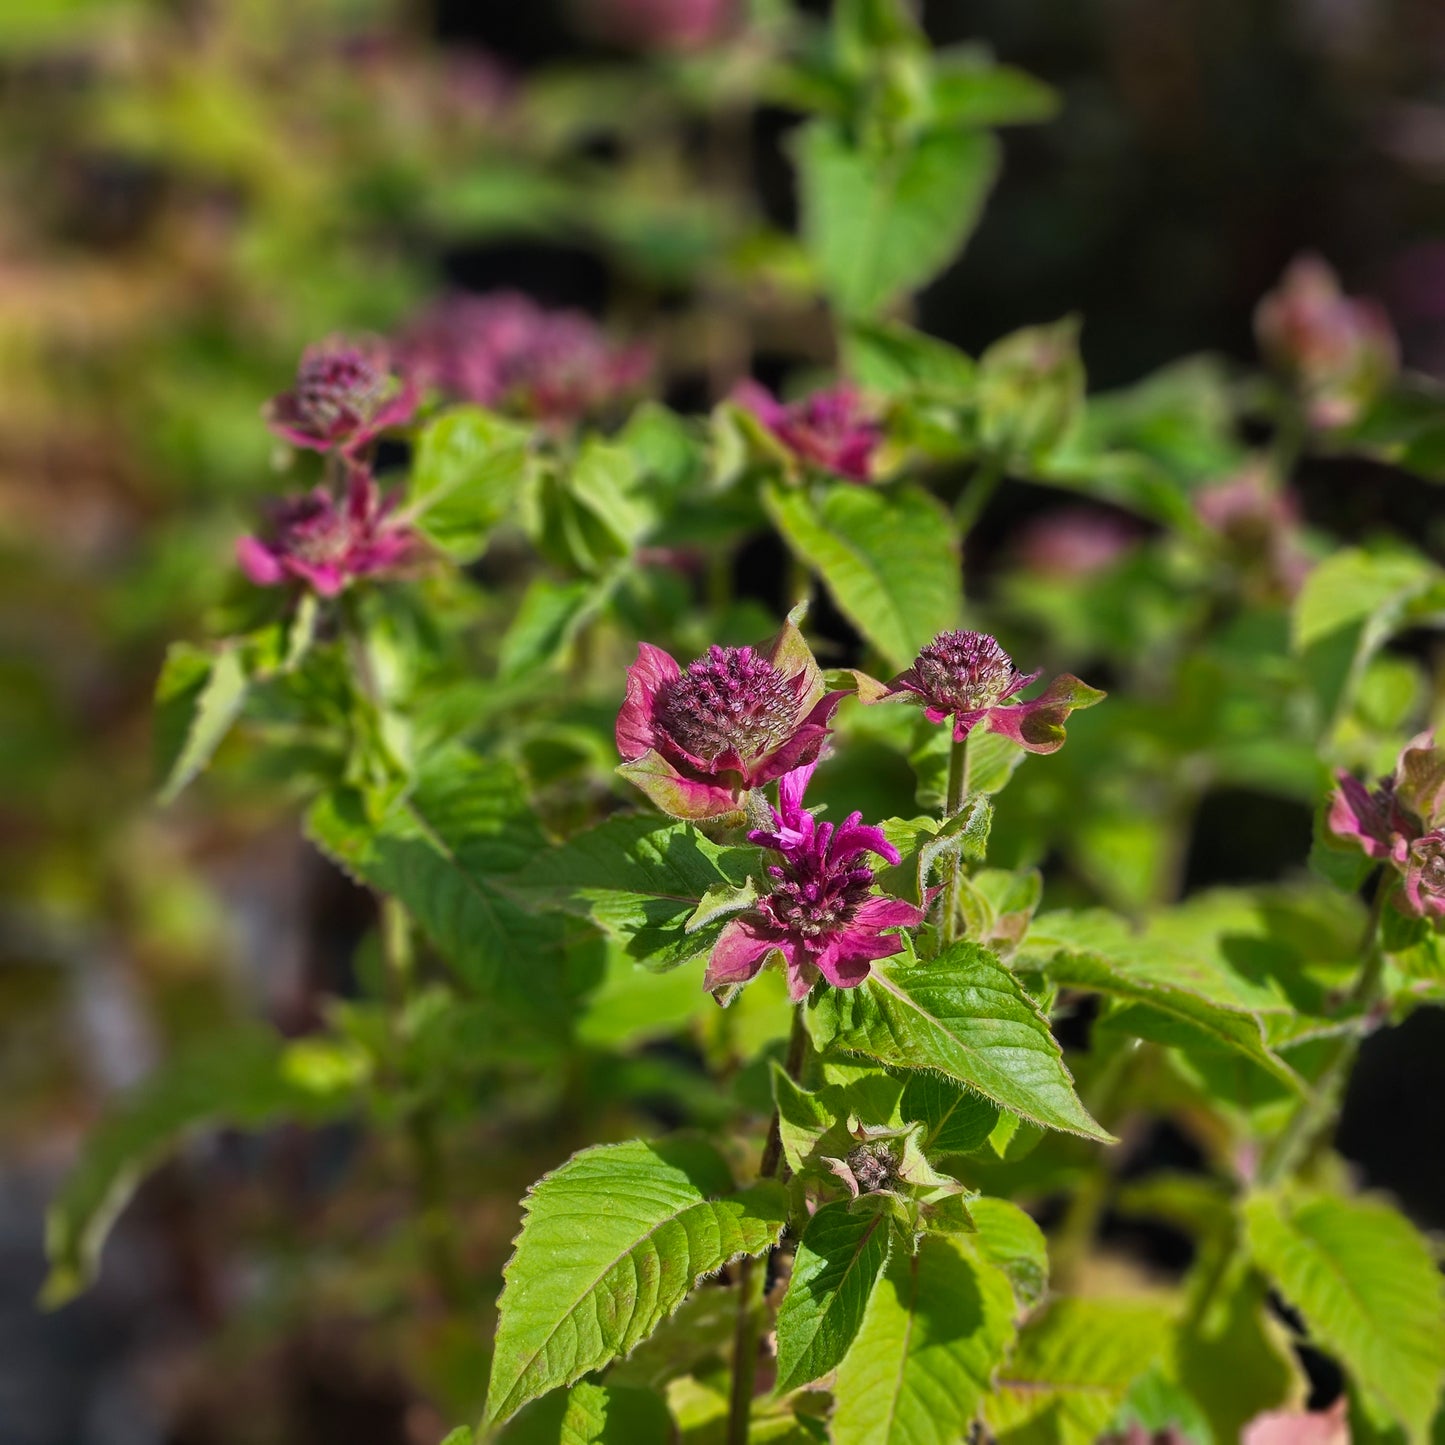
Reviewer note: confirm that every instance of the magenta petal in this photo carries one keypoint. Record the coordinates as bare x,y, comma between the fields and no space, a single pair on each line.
259,562
326,578
1356,817
1039,725
741,950
801,750
846,965
885,912
761,402
636,734
296,436
802,971
676,795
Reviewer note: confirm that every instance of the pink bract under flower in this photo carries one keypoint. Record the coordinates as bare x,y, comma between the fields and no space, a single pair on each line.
696,739
830,430
344,396
1401,821
1340,349
326,544
820,913
967,676
506,352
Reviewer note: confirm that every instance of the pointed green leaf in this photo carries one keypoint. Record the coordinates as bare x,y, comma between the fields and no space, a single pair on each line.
889,557
591,1414
1370,1292
1010,1240
839,1259
955,1120
966,1016
611,1243
199,696
936,1327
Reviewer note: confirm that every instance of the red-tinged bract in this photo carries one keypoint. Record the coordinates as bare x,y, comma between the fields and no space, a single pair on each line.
829,431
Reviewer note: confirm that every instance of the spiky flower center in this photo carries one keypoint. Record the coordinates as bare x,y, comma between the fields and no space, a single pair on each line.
729,701
1429,855
964,671
813,903
873,1165
335,384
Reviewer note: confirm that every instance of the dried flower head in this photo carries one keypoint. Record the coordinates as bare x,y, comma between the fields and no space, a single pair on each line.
1340,350
345,394
820,914
967,676
696,739
326,544
506,352
830,430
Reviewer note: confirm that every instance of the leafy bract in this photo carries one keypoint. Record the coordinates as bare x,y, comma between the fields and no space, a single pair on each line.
238,1077
199,696
1369,1290
643,882
964,1015
442,850
611,1243
889,557
935,1330
839,1258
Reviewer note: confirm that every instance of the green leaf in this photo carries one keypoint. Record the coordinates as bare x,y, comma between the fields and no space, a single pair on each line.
839,1259
1072,1370
1011,1241
1370,1292
889,557
199,696
238,1077
1095,951
955,1120
611,1243
969,89
896,360
642,881
803,1118
548,617
591,1414
935,1329
966,1016
468,470
1352,586
444,850
878,223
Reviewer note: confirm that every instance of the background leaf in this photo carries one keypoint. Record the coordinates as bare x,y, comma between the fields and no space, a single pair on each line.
199,696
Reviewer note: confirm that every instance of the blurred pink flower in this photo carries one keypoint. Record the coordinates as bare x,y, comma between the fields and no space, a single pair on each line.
830,430
695,740
326,545
1299,1427
504,351
344,396
1075,542
1340,350
663,24
1260,526
967,676
820,913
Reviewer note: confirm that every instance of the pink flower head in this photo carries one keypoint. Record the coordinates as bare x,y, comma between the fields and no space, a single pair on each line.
696,740
506,352
1401,821
967,676
1300,1427
1076,542
1260,527
679,25
344,396
325,544
829,430
1341,350
820,913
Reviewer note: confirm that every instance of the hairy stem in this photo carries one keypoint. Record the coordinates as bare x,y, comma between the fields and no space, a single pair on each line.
958,778
1313,1114
752,1280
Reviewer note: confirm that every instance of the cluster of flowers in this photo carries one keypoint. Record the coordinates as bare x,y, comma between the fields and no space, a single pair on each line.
1401,822
698,740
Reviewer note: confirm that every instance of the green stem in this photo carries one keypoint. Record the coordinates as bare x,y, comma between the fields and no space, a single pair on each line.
977,494
1312,1116
959,769
747,1335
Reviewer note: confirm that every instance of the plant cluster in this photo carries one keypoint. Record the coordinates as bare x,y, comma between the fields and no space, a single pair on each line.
458,646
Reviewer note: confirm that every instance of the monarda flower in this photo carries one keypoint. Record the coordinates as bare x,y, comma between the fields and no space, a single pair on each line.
820,914
830,431
344,396
695,740
1401,822
505,352
1259,527
968,677
326,544
1340,350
